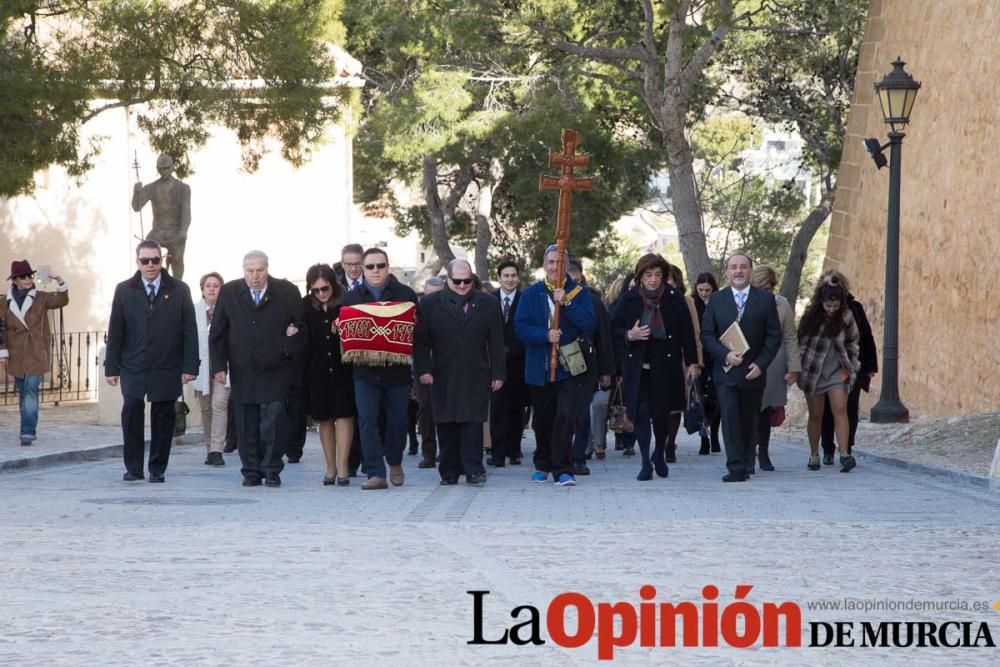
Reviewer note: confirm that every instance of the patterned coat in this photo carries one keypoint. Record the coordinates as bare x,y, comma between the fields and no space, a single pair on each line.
815,347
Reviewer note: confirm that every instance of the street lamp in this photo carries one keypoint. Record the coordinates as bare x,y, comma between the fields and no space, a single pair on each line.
896,92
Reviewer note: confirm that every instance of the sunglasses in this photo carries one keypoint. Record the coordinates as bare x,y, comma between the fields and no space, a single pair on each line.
23,276
320,290
146,261
462,281
372,267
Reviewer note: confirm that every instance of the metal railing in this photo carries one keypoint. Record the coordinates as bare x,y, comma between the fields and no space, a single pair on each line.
73,373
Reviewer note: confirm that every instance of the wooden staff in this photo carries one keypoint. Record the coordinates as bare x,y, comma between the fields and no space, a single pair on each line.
566,184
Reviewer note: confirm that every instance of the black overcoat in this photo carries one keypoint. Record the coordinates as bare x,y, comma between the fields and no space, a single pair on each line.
515,391
463,351
666,358
150,346
251,341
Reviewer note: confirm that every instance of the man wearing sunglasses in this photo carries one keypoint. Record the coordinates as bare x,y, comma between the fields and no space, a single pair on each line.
385,386
24,343
152,351
459,352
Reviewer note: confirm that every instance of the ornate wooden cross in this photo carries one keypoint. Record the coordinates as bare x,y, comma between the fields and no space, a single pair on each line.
568,159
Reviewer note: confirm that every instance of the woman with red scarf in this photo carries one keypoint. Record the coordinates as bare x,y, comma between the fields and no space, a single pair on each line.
655,350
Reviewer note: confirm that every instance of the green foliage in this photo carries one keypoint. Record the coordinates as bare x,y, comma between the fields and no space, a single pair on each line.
63,62
621,261
453,81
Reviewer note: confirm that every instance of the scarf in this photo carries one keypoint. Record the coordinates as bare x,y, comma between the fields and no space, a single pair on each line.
459,301
21,294
651,316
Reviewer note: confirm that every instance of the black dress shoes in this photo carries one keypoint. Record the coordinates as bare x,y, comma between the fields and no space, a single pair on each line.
449,481
156,479
215,459
426,463
251,481
229,448
273,480
671,455
735,477
495,463
580,469
475,480
129,477
515,460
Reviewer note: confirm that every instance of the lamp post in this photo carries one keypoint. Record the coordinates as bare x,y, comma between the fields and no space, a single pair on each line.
896,92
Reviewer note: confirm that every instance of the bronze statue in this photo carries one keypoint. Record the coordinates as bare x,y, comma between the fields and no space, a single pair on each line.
171,212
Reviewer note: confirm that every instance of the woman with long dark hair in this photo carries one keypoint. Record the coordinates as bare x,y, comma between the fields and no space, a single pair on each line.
655,348
828,339
329,386
704,286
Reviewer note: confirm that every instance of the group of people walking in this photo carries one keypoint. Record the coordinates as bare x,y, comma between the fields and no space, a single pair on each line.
478,361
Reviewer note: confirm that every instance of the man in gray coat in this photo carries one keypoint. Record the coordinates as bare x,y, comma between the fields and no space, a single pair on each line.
256,332
152,350
459,352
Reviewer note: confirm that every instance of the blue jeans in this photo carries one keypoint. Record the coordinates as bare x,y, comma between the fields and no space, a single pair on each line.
396,399
27,389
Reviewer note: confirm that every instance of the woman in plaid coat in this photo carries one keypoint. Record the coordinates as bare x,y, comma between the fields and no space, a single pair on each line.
828,340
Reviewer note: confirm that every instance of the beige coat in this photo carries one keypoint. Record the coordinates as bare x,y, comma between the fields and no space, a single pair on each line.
27,333
788,359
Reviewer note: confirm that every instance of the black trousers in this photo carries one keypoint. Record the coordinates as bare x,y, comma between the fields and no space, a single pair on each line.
826,437
260,433
557,409
295,434
161,433
506,425
425,423
740,416
461,449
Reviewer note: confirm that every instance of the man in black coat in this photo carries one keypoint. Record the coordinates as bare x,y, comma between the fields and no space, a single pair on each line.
256,333
459,352
605,367
152,350
386,386
507,405
350,275
740,391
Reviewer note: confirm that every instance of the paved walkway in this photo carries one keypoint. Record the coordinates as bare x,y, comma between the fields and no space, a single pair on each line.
202,571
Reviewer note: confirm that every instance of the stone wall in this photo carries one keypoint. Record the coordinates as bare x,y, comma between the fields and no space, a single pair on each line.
949,301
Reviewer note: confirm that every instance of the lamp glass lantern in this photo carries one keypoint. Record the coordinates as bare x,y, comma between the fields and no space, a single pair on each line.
896,93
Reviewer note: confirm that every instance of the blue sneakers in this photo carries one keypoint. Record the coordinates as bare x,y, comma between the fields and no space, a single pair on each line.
566,480
538,476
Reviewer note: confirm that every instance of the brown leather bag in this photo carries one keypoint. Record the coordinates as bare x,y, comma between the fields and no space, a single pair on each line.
618,420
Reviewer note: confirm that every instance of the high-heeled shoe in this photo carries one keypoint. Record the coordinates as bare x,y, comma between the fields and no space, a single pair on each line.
813,462
645,473
343,481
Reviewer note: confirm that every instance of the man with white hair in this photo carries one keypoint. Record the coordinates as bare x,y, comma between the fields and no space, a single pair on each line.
256,331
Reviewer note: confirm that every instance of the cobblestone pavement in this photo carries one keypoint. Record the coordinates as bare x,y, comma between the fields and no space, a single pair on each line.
199,570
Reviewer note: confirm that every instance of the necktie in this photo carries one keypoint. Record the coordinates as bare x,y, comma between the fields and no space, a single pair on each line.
506,308
354,285
741,298
208,314
256,297
152,292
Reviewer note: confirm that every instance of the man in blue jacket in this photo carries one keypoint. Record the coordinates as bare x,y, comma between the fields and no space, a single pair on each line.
557,405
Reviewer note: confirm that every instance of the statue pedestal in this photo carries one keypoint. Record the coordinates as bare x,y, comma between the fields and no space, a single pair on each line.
109,401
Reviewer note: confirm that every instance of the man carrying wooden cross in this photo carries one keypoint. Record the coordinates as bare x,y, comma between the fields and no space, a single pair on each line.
557,403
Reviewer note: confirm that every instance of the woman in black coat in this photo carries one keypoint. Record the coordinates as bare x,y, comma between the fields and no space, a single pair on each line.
654,343
702,291
328,382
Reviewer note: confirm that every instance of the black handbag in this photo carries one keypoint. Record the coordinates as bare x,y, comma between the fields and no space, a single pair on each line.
694,415
180,418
